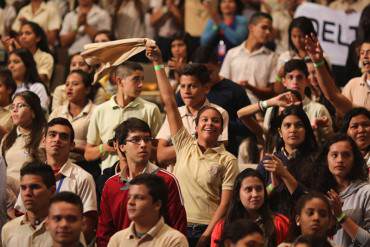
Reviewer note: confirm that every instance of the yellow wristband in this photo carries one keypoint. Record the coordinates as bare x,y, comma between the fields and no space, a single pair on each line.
158,67
269,188
101,150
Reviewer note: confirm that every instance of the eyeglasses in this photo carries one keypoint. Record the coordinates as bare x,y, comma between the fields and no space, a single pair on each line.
138,139
18,106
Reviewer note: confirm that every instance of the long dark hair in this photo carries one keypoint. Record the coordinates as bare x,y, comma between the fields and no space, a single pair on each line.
294,229
273,125
363,32
325,179
236,209
31,76
40,33
302,23
309,144
37,126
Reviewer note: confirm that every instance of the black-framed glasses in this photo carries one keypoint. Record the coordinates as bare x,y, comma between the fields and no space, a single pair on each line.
17,106
138,139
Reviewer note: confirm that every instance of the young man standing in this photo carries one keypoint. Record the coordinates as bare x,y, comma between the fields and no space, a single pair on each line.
194,79
147,199
37,187
133,142
65,219
251,64
127,103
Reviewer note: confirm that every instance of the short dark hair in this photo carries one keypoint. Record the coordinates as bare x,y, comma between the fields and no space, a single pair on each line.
131,124
312,241
157,189
197,70
68,197
238,230
61,121
351,114
296,64
256,17
7,79
125,69
39,169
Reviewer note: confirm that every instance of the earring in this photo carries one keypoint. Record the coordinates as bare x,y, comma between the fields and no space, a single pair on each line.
298,224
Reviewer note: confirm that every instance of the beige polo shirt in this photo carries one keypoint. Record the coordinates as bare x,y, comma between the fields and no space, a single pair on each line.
46,16
159,235
202,176
17,155
188,120
257,67
19,232
108,115
75,180
357,90
5,118
80,124
44,63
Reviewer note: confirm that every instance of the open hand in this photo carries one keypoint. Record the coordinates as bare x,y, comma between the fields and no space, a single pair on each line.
275,165
335,201
313,48
320,122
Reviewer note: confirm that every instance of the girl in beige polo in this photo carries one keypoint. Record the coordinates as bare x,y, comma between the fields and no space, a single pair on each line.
204,169
21,144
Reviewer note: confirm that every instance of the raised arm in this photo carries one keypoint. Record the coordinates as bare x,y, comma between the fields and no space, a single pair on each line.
174,119
326,81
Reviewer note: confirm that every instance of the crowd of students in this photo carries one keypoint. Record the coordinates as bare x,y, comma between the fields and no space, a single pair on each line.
93,163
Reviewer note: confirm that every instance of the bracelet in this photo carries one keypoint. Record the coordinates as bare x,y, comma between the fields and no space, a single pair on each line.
101,150
158,67
214,27
319,64
264,104
164,9
341,218
269,188
278,78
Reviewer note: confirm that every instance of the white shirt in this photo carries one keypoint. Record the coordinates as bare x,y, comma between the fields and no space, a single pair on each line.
97,18
257,67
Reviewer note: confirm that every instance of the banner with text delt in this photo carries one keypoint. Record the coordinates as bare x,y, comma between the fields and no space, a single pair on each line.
335,29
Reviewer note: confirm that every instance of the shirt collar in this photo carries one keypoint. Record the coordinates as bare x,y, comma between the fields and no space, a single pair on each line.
114,105
150,168
187,113
39,224
66,169
42,8
20,133
85,110
306,101
262,49
151,233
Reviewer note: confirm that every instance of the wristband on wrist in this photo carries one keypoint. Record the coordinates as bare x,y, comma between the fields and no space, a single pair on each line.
101,150
278,78
164,9
264,104
319,64
214,27
341,218
269,188
158,67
